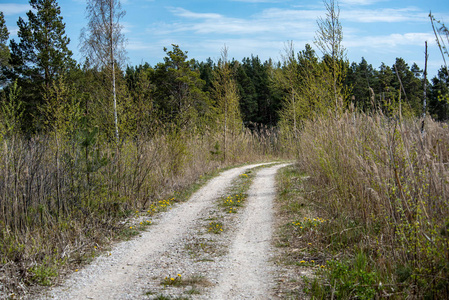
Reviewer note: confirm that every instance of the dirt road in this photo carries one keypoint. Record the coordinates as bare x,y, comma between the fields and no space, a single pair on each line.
232,265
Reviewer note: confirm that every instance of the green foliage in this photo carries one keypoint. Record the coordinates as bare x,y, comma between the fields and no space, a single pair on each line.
439,96
61,108
44,273
348,280
172,281
259,99
41,55
329,39
361,77
4,50
12,111
103,43
309,90
179,94
226,102
215,227
138,113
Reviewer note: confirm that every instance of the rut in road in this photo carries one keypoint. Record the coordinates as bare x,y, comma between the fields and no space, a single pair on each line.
249,274
135,267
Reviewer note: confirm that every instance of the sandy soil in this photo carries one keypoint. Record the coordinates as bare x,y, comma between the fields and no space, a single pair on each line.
237,264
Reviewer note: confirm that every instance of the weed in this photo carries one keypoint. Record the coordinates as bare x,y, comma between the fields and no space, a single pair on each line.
192,291
161,205
129,232
308,223
44,273
172,281
215,227
178,281
351,279
165,297
200,245
231,203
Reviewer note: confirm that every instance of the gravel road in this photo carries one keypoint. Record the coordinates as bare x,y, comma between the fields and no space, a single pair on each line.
234,265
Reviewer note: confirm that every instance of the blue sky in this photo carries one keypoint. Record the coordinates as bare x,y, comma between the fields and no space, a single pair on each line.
379,30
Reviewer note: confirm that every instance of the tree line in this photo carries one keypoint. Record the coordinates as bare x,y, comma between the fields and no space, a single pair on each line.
40,78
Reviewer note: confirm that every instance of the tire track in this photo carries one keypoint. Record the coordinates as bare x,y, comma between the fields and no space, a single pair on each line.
249,273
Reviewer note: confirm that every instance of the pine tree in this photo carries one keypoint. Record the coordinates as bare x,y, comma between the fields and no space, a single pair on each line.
361,78
4,50
408,82
383,89
247,91
42,53
439,96
179,91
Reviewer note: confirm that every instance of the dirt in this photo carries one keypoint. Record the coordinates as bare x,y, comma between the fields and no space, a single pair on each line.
179,257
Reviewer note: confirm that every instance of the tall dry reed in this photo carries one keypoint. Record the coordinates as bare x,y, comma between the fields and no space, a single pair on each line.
385,188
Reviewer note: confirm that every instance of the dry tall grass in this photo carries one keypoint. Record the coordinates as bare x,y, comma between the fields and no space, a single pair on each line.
385,187
60,197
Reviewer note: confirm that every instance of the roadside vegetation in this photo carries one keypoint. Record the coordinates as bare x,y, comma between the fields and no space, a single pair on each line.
384,193
372,219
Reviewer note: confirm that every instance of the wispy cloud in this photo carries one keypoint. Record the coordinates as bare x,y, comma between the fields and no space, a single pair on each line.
259,1
275,21
13,8
181,12
391,40
360,2
385,15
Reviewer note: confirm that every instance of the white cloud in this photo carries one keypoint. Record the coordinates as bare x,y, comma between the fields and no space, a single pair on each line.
181,12
14,9
278,22
259,1
359,2
13,31
390,41
386,15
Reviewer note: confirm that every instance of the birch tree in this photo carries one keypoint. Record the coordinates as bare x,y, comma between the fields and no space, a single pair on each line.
103,42
328,39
